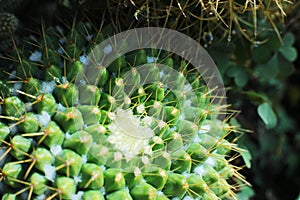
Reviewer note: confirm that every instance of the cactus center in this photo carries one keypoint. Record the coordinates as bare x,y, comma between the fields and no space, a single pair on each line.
128,134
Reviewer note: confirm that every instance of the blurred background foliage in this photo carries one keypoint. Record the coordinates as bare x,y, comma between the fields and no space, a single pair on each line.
254,44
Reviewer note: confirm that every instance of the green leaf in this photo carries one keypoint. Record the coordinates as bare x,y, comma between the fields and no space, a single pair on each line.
290,53
232,70
254,96
246,156
286,68
241,77
267,114
273,43
269,70
288,39
245,194
261,54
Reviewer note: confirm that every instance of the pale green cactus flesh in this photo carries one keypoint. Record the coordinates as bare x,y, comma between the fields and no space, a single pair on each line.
115,134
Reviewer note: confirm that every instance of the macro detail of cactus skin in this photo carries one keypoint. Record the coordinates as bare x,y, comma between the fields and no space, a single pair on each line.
101,138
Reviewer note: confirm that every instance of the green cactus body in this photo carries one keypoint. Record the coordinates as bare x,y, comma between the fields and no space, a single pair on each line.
129,131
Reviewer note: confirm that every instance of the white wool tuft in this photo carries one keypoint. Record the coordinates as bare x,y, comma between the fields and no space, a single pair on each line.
145,160
84,158
56,150
84,59
64,80
148,150
44,118
41,197
102,190
188,103
147,120
61,108
36,56
17,86
204,129
48,87
67,135
50,172
89,37
28,106
151,59
157,140
161,124
12,75
61,41
210,161
161,74
77,196
60,50
188,198
13,129
107,49
199,170
77,179
137,171
117,156
187,88
82,82
140,109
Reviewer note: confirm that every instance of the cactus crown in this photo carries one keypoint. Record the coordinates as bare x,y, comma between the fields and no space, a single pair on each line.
135,129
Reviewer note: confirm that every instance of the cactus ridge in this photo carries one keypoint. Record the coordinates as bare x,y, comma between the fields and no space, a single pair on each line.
133,130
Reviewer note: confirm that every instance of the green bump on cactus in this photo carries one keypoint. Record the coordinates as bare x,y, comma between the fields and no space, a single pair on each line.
39,183
9,197
92,176
20,146
113,180
29,123
143,191
196,185
66,186
43,158
92,194
176,186
52,71
140,128
4,131
156,177
67,92
89,94
53,135
69,163
133,178
13,107
70,119
79,141
11,171
120,194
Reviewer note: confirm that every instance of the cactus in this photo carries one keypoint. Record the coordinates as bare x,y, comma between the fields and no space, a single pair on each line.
121,134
